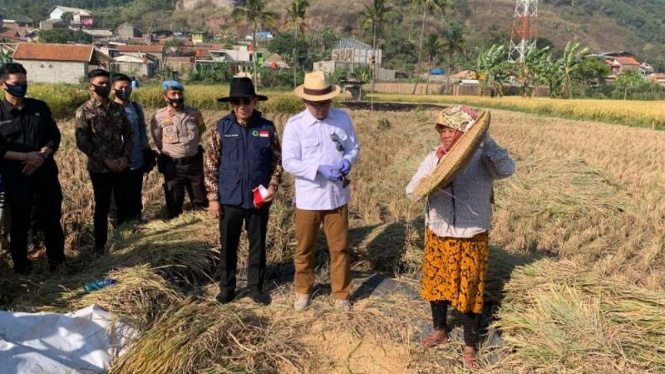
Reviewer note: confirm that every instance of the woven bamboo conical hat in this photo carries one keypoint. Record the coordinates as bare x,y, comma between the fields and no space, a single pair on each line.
455,160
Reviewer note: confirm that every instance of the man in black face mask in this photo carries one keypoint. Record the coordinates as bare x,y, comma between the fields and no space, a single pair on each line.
28,139
122,88
105,135
176,131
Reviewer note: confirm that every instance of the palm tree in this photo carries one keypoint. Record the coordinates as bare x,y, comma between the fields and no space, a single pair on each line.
254,12
432,48
569,62
374,16
455,43
296,16
427,7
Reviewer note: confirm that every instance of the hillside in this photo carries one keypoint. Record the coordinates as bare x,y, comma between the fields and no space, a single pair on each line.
633,25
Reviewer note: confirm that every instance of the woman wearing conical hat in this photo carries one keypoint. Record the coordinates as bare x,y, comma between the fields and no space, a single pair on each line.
458,220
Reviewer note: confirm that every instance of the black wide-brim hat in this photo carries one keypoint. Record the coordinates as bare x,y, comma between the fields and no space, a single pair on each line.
242,88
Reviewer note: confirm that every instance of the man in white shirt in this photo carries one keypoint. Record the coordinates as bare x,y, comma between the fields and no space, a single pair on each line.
320,147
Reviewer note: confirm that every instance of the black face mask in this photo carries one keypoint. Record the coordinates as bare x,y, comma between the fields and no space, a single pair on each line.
102,91
177,103
18,90
123,94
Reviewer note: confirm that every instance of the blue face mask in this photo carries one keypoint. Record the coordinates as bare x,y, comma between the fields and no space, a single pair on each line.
18,90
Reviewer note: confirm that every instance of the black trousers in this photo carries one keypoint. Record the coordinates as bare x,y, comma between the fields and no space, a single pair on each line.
104,186
42,191
470,322
134,198
182,174
230,228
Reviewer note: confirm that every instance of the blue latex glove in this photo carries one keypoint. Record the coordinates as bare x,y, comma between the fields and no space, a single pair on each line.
344,166
330,172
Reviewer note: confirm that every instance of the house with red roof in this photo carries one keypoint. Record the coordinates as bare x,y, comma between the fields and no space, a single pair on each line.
59,63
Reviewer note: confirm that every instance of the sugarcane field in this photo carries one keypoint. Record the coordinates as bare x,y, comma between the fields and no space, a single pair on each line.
313,187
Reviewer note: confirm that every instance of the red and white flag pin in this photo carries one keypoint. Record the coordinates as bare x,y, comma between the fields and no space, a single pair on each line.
264,134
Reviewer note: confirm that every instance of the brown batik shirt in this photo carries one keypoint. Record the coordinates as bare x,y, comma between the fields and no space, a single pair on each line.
103,133
212,160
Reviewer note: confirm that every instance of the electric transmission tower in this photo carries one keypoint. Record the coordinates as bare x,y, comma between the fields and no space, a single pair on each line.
523,30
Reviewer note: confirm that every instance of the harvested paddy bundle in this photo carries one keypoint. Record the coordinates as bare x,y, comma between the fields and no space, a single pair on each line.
138,297
185,247
205,337
559,316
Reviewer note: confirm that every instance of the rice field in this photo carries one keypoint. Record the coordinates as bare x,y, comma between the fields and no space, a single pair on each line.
576,274
649,114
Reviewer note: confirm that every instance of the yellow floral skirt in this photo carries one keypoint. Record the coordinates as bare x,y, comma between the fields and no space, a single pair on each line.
455,270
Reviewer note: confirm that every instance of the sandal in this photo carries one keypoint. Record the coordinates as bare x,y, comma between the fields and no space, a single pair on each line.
470,360
438,337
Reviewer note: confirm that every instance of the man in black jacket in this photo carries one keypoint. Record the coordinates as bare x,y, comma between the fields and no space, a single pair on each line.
28,139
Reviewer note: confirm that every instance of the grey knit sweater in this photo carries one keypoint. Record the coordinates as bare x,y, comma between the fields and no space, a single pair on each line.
463,209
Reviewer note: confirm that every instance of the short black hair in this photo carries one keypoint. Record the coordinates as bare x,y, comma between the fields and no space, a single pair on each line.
120,77
11,68
98,73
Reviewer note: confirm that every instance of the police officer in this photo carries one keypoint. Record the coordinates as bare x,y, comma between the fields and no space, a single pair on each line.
176,132
28,139
244,154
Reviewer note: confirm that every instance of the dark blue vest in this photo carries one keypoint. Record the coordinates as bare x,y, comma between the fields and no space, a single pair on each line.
246,159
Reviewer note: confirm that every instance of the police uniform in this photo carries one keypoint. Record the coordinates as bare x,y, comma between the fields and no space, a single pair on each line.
177,135
29,129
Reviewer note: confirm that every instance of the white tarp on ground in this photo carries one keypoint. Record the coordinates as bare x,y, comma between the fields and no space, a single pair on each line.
84,341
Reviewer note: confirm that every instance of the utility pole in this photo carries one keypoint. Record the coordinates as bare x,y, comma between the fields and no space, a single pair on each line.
523,29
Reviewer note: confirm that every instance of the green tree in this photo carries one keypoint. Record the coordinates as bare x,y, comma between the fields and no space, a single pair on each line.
64,36
630,79
550,73
253,12
455,43
434,7
570,61
530,71
374,16
296,17
492,67
432,47
590,70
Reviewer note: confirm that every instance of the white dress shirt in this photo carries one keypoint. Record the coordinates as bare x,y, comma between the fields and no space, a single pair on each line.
306,144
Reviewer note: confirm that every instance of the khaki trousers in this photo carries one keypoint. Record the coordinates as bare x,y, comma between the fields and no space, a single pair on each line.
336,226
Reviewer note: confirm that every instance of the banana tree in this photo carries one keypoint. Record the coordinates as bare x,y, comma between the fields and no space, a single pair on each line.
492,68
569,62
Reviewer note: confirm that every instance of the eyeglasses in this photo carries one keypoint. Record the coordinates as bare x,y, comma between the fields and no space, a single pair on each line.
318,104
244,101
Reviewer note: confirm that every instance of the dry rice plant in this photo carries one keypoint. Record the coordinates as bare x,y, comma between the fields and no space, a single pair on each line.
585,192
559,317
207,338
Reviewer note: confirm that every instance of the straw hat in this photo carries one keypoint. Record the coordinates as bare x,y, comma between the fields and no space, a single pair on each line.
317,88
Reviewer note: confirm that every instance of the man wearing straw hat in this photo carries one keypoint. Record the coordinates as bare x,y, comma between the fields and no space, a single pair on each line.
176,131
243,172
320,148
